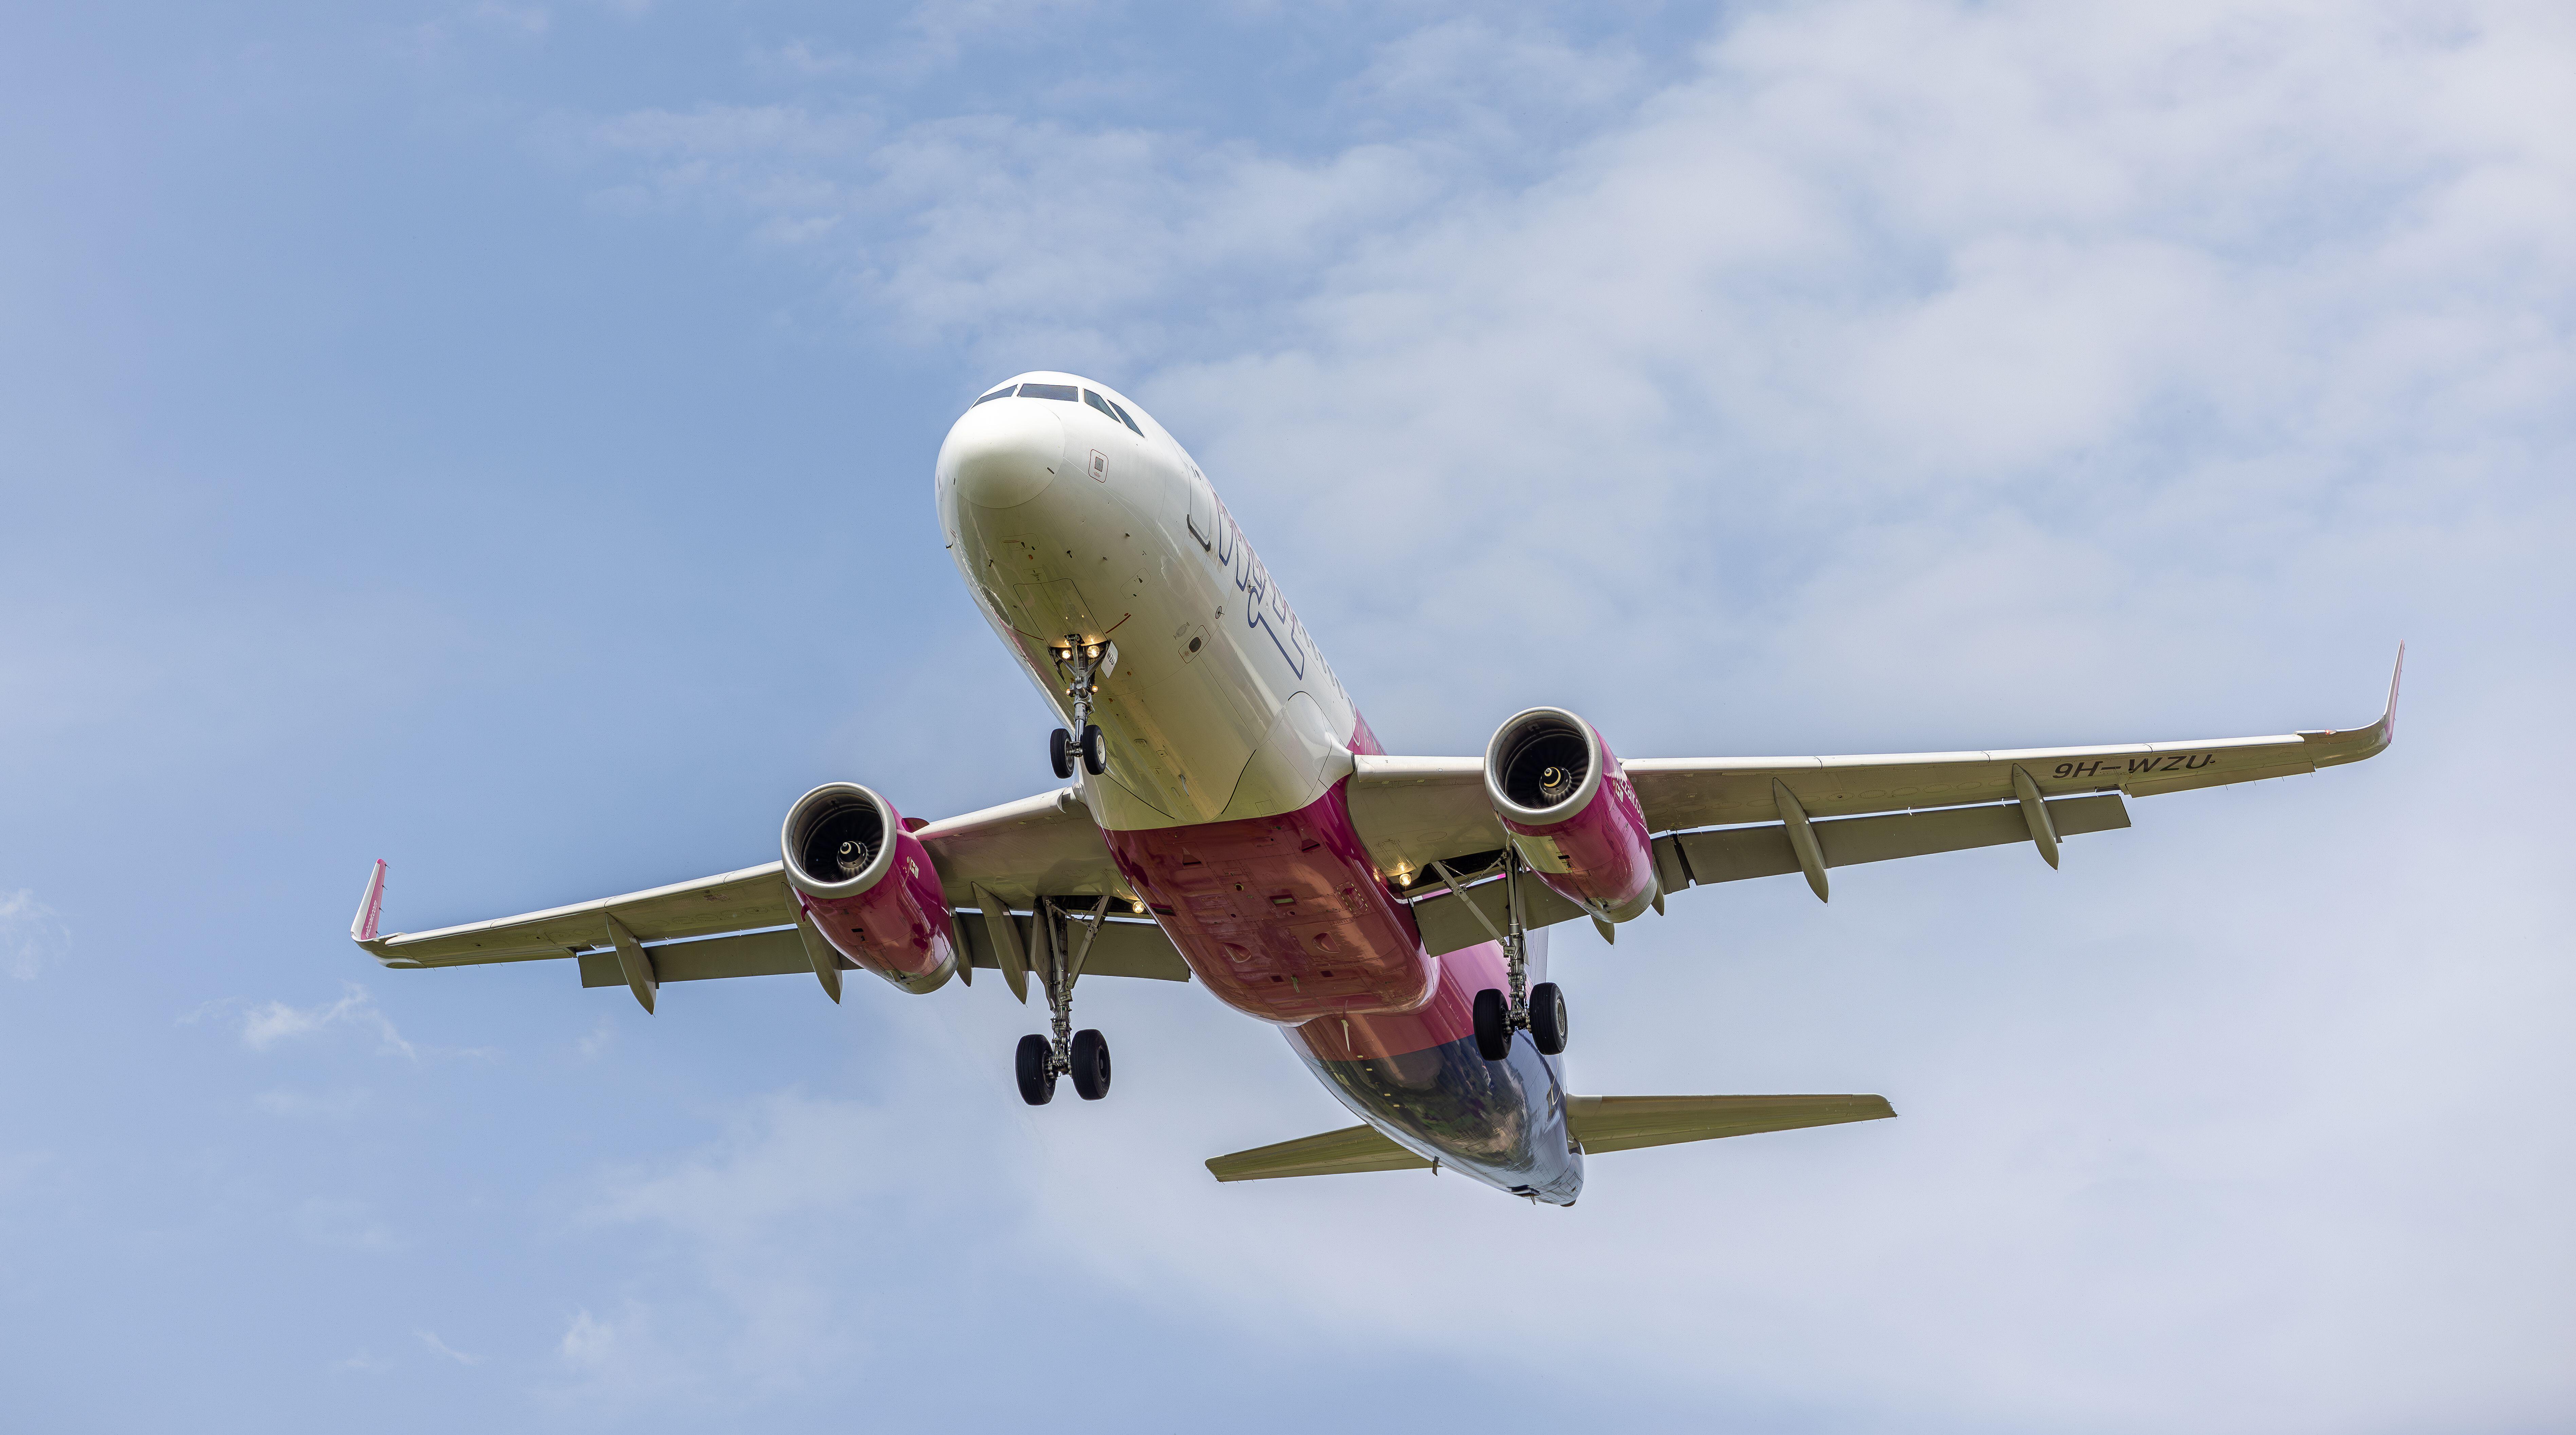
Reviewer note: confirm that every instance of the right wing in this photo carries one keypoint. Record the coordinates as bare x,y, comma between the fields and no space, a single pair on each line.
742,923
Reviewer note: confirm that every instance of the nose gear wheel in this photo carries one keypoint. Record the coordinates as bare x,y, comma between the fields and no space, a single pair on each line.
1085,664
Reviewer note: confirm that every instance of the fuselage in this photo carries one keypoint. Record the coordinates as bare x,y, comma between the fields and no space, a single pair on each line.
1072,515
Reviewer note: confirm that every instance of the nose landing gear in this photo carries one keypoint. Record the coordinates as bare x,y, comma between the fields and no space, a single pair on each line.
1085,663
1056,958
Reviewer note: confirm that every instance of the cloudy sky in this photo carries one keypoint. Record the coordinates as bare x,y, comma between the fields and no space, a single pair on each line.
497,439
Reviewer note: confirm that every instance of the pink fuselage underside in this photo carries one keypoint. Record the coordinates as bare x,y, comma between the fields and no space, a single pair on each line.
1285,918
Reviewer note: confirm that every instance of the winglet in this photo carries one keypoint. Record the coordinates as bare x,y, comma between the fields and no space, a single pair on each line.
2328,749
371,905
2388,717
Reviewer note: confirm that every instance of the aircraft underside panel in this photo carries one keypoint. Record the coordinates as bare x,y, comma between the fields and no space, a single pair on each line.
1501,1122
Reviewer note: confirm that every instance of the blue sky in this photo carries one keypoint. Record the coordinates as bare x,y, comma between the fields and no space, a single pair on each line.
497,439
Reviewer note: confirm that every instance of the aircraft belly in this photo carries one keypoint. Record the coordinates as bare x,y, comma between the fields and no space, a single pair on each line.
1500,1122
1283,917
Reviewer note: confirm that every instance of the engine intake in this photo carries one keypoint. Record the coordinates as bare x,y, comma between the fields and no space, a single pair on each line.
835,842
869,886
1571,812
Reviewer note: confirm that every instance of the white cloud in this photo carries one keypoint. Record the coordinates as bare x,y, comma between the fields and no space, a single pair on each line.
587,1342
31,935
776,1258
1905,375
440,1347
760,1217
268,1023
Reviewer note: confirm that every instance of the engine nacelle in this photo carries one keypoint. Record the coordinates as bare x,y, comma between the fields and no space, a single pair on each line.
1571,812
869,886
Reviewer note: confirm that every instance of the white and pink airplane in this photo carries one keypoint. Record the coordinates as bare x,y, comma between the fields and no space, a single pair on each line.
1231,818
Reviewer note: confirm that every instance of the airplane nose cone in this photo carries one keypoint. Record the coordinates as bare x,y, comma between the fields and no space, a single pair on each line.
1006,452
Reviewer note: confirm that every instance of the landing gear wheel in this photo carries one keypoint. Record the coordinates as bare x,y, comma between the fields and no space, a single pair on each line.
1037,1075
1090,1061
1060,752
1493,1025
1095,756
1547,1018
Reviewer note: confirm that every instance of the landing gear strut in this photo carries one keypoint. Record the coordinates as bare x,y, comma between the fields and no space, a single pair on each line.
1540,1011
1084,664
1059,940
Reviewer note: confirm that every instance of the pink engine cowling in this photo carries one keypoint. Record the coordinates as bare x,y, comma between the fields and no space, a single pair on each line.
1570,810
869,887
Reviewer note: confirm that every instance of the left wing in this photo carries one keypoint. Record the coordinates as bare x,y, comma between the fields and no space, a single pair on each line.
1411,811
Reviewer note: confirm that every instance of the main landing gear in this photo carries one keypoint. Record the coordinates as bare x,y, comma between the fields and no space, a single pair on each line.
1085,663
1055,958
1538,1010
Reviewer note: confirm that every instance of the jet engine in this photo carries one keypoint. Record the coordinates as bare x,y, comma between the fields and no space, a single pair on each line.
1571,812
868,887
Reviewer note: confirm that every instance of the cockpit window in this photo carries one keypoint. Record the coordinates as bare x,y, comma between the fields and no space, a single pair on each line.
1066,392
1122,418
1097,402
1003,392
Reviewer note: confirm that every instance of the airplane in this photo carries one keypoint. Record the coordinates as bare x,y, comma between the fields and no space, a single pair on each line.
1229,817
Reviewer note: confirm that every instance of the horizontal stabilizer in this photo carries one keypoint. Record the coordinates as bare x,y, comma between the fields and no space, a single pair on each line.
1623,1123
1335,1153
1599,1124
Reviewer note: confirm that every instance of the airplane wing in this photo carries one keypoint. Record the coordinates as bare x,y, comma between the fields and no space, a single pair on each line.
1724,819
743,923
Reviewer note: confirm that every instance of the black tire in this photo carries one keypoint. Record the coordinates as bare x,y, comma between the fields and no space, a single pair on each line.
1547,1018
1090,1064
1060,752
1095,752
1037,1083
1493,1025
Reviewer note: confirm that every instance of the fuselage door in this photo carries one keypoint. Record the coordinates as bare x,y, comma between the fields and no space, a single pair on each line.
1202,508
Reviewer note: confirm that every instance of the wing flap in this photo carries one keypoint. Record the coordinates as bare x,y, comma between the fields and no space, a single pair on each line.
1735,853
1122,949
1334,1153
748,954
1625,1123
